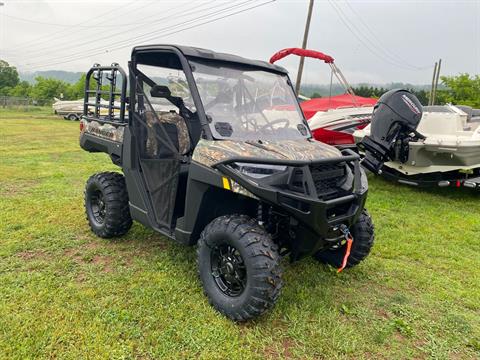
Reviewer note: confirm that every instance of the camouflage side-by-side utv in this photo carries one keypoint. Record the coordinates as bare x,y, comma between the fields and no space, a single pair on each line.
215,152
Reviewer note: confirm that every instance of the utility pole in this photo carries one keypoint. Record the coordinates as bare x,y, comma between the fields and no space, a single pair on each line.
304,46
436,81
430,98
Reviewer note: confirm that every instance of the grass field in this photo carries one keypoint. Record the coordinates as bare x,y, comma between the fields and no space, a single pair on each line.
66,294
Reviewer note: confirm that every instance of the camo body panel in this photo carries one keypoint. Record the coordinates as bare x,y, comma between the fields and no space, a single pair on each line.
166,118
105,131
239,189
208,152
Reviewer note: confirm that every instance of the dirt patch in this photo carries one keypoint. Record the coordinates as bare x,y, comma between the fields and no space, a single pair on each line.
81,255
82,249
283,353
19,187
287,345
383,314
127,260
33,255
104,261
81,278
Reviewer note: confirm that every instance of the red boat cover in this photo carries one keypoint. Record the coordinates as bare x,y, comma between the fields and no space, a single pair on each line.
311,107
301,52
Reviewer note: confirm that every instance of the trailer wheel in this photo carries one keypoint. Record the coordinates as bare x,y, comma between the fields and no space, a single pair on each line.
363,238
106,205
72,117
239,267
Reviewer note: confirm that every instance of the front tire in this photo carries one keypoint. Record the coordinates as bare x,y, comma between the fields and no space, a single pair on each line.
363,238
239,267
106,205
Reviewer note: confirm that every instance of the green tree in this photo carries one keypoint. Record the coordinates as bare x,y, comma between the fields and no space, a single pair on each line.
365,91
8,77
77,90
422,95
45,89
316,95
22,89
369,91
4,91
462,89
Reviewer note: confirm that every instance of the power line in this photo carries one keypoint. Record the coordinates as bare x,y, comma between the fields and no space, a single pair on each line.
379,42
69,26
153,34
49,36
372,47
181,13
344,19
127,42
31,21
171,33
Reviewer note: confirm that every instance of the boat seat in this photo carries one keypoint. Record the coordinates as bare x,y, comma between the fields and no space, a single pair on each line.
475,116
467,110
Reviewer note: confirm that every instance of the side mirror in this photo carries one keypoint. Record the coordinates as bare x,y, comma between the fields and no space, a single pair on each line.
160,91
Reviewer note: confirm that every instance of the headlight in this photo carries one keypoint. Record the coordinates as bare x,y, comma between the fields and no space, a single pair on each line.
259,171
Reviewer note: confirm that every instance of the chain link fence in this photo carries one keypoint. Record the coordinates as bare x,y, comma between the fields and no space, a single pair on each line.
22,103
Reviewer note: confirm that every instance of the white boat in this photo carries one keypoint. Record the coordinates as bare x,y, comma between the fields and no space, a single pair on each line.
445,149
336,126
71,109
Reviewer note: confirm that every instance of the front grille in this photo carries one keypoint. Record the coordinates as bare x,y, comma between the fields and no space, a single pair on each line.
328,179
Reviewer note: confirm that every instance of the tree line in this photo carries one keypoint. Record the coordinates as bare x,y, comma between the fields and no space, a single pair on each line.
42,91
461,89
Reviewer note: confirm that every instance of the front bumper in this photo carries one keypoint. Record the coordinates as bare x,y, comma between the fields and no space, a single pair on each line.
318,218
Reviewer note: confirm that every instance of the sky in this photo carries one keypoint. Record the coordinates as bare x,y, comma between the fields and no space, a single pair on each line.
378,41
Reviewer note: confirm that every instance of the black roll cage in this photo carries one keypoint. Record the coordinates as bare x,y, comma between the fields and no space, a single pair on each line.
187,69
188,74
112,71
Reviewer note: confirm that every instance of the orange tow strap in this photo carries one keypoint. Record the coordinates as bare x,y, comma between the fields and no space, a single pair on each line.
347,254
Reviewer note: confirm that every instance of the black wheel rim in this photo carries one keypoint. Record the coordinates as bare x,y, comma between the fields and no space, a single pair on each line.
228,270
97,204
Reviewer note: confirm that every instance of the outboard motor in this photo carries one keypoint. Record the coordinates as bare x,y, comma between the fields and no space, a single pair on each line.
394,122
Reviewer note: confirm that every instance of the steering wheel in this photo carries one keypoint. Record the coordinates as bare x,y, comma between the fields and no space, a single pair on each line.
274,122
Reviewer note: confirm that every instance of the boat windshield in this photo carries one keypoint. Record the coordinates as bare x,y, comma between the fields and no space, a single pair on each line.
248,103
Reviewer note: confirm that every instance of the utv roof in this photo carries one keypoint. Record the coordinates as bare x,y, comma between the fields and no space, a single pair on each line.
194,52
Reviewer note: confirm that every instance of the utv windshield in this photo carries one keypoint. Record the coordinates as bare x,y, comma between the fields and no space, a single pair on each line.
246,103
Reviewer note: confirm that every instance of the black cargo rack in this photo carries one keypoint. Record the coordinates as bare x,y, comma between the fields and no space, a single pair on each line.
109,74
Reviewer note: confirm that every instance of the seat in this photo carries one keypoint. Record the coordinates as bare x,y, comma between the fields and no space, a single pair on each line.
174,126
467,110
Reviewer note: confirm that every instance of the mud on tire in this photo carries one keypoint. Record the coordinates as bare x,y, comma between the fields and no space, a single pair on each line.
363,237
253,257
106,204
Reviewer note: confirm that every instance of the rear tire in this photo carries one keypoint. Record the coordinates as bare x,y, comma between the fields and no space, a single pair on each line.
363,238
106,205
239,267
72,117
